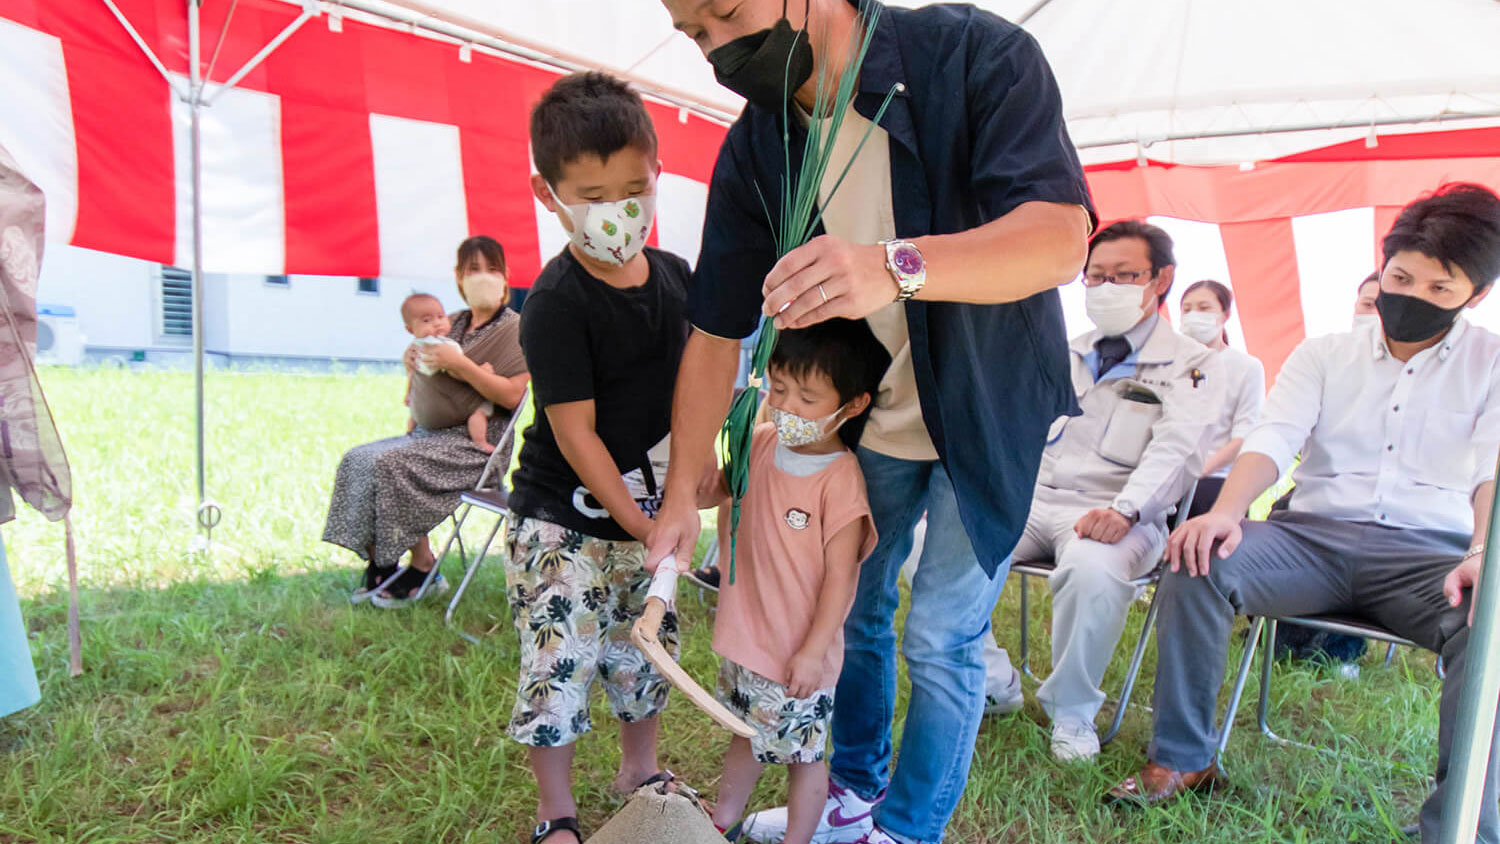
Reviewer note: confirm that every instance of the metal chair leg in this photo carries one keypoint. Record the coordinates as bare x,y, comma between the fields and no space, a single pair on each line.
1268,658
1026,627
1246,660
1390,654
437,562
469,571
1132,672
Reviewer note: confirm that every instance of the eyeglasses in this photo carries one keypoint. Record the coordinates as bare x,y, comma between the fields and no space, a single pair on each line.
1119,277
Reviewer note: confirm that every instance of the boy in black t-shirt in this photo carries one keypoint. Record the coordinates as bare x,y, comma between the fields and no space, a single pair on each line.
603,330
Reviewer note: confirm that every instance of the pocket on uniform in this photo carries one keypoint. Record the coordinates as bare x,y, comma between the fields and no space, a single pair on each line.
1428,452
1128,431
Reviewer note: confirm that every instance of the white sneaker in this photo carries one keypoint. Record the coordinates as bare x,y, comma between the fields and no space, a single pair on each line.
1074,741
846,820
1004,699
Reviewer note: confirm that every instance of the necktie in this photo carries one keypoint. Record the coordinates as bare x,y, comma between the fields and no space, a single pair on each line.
1111,351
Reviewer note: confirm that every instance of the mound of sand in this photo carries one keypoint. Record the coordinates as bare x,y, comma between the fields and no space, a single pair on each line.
651,817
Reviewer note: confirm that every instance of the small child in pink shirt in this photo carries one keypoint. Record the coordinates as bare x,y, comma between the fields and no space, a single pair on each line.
805,528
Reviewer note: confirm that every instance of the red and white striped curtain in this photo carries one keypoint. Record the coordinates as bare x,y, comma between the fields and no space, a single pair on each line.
369,151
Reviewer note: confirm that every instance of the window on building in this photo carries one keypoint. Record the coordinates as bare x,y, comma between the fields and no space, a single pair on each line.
176,302
278,281
368,285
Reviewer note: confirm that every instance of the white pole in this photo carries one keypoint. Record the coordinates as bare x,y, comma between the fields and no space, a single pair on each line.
1464,795
194,107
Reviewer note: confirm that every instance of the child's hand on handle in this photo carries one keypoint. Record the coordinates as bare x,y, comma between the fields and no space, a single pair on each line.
803,673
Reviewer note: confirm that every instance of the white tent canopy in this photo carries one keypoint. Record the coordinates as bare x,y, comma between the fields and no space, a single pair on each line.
1240,77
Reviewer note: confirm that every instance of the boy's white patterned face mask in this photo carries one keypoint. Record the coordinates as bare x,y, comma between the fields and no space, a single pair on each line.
797,430
610,232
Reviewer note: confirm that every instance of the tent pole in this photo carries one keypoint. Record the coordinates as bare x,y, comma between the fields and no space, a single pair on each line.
1290,128
195,102
1476,706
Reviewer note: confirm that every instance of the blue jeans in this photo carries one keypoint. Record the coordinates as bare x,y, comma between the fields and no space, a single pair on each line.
950,614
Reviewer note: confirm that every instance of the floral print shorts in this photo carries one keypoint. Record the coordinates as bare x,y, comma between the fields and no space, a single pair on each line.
788,730
574,599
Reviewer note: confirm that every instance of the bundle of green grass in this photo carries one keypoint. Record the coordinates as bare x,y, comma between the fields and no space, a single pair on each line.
799,218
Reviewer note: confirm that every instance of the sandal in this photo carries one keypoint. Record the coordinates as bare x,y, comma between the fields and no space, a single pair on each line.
664,776
373,577
402,592
545,829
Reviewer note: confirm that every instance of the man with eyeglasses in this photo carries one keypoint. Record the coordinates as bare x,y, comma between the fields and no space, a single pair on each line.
1111,477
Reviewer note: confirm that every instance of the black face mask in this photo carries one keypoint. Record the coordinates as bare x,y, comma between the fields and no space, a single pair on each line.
1409,319
765,67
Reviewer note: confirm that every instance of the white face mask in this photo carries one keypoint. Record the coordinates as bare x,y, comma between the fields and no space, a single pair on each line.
797,430
610,232
1115,308
1202,326
486,291
1362,320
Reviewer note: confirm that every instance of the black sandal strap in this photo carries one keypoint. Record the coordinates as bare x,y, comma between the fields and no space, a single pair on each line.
664,776
376,575
409,581
545,829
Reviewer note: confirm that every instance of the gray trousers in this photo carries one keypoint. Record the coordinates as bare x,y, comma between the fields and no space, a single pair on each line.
1302,564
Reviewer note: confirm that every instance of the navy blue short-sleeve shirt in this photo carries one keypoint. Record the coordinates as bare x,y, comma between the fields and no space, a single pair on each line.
976,130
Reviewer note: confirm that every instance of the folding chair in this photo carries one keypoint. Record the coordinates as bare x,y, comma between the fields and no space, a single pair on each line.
1045,568
494,500
1263,632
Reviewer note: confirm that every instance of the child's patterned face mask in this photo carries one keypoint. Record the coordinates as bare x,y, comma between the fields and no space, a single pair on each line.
610,232
797,430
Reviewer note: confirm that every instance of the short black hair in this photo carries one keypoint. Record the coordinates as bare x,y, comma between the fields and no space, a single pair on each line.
482,244
1457,225
847,352
587,113
1158,244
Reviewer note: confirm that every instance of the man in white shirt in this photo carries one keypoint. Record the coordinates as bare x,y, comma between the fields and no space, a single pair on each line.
1399,426
1110,477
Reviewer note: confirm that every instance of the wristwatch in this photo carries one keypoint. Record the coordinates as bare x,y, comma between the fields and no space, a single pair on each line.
907,268
1126,509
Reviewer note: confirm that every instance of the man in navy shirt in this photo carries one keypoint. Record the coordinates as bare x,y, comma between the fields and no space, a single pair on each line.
963,211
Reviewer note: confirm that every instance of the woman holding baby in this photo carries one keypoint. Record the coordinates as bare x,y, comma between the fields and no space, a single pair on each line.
390,493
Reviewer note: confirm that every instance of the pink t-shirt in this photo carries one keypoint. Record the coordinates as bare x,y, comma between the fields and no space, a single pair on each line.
785,523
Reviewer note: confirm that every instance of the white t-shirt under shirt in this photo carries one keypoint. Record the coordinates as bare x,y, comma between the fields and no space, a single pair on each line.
861,212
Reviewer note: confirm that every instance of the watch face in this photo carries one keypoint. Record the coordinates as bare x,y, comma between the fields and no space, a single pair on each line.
907,260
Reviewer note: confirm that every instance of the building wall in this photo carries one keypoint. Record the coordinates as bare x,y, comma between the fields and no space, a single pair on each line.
312,317
112,295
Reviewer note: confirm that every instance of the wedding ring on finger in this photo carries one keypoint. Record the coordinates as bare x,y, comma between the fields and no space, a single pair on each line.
824,292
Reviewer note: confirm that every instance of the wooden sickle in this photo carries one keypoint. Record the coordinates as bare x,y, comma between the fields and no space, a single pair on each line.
644,634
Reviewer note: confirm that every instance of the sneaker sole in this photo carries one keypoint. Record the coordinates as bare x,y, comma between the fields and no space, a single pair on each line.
849,834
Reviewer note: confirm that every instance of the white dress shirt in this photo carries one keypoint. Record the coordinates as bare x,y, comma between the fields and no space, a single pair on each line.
1244,394
1399,444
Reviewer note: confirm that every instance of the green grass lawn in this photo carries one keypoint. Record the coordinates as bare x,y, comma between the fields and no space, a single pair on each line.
237,696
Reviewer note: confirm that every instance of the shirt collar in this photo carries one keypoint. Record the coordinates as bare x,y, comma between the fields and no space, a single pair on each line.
1139,336
1141,333
1444,348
